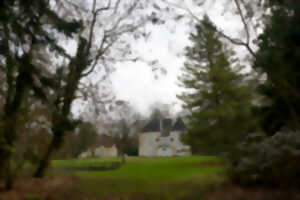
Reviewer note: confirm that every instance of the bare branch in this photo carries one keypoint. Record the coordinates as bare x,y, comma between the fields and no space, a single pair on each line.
121,18
237,42
221,33
117,6
95,14
124,59
243,21
112,34
74,5
100,53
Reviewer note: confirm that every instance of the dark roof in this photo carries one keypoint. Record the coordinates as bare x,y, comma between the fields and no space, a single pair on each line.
152,126
179,125
166,124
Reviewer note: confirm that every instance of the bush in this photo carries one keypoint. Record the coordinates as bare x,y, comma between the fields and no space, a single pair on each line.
273,161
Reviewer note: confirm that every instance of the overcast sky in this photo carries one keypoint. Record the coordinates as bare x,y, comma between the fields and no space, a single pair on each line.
136,83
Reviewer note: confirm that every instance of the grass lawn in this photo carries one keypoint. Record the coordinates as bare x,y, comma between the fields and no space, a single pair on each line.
168,178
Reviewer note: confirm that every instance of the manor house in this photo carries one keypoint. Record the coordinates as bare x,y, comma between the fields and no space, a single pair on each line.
163,137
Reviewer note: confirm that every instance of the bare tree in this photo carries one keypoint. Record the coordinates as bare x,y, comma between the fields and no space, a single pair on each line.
251,15
99,45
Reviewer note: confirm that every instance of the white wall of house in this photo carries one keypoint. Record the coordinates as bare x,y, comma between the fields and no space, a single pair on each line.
100,152
153,144
106,151
147,143
181,148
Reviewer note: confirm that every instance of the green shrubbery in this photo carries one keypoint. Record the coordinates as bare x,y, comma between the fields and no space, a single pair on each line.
272,161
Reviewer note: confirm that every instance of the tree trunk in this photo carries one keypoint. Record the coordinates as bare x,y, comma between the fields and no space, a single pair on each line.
45,161
60,119
9,181
9,136
11,113
6,169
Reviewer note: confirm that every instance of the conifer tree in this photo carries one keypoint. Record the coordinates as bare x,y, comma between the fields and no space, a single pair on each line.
218,98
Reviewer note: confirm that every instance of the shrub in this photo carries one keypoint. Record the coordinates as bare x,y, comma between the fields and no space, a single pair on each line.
272,161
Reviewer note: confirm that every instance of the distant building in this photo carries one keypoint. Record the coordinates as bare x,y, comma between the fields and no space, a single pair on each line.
163,138
106,148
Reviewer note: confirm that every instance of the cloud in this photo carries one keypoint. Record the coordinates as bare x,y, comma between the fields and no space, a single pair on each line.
135,82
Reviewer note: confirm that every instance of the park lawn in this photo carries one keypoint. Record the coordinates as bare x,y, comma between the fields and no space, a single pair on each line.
170,177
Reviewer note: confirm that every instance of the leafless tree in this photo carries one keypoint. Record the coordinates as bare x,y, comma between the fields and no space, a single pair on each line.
100,44
251,15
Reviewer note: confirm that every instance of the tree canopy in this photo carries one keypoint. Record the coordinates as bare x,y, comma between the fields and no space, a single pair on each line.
219,99
278,58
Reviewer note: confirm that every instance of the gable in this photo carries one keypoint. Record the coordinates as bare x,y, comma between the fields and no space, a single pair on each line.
165,125
179,125
152,126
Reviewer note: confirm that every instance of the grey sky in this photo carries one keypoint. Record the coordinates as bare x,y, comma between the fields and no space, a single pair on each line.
135,82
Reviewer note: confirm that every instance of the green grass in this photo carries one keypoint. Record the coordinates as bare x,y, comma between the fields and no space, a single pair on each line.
170,177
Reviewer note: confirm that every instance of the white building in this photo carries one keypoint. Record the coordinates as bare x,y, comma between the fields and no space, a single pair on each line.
163,138
103,151
106,148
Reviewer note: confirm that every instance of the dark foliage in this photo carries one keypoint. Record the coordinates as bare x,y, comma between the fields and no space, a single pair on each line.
219,100
278,58
272,161
22,33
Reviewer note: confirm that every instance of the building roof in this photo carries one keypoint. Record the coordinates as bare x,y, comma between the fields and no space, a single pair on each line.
152,126
164,125
179,125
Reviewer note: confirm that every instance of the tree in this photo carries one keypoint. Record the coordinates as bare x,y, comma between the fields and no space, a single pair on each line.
22,35
83,138
34,134
86,136
267,15
278,59
92,54
219,100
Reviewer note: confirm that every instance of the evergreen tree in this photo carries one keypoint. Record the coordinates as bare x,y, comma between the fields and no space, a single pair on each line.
278,58
218,99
